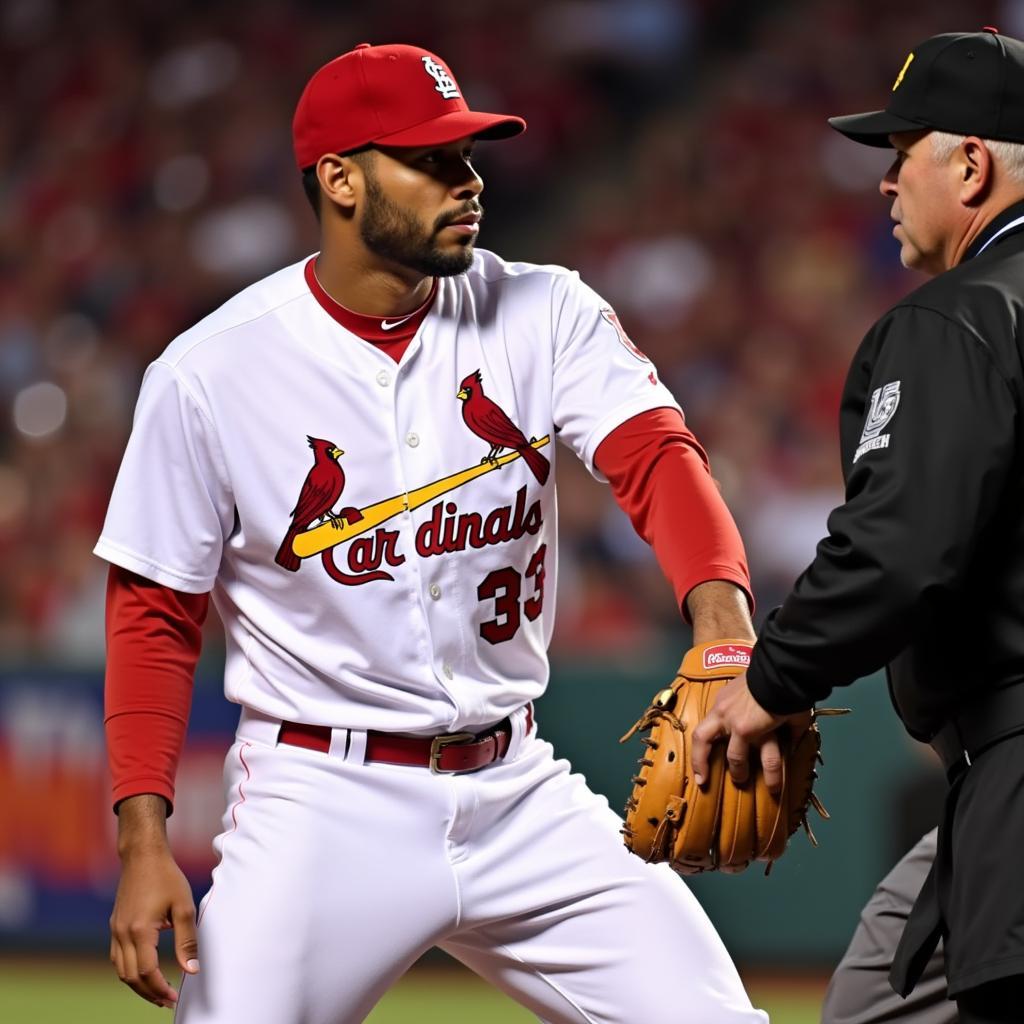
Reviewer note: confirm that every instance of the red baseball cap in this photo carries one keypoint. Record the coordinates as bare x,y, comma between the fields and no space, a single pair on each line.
396,95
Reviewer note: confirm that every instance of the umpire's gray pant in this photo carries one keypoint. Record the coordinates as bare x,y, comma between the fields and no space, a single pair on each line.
859,992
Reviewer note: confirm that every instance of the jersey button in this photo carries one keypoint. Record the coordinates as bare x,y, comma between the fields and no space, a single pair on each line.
412,440
447,670
383,378
435,591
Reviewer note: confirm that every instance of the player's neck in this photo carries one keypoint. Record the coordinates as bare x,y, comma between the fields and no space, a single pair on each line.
369,287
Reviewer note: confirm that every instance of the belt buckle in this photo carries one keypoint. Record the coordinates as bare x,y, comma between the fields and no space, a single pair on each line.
437,745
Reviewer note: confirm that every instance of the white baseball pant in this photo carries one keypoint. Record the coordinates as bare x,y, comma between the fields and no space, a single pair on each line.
336,875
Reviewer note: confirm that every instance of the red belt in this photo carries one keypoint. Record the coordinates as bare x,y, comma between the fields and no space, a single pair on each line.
452,752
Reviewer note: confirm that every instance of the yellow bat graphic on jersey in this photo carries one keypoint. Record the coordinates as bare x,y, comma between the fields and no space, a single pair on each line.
312,542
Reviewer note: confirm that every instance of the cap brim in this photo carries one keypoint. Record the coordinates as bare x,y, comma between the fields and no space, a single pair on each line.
459,124
874,128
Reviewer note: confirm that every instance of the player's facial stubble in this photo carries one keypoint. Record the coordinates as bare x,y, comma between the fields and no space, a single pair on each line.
395,233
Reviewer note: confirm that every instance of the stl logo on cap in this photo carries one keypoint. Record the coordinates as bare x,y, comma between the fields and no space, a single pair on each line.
445,83
377,95
903,71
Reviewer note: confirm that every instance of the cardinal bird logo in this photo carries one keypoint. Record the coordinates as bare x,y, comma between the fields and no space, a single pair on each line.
489,421
320,493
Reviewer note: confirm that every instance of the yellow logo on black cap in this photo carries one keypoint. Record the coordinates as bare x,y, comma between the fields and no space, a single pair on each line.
903,71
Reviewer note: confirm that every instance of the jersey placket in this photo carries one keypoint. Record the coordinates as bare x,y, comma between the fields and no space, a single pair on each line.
429,592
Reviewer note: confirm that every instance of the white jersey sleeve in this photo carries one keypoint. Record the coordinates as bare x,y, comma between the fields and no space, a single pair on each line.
601,379
171,511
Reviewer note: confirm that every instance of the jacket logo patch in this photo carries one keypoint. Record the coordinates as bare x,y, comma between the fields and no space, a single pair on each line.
884,402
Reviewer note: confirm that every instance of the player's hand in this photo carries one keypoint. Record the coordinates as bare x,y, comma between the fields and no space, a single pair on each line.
152,896
737,717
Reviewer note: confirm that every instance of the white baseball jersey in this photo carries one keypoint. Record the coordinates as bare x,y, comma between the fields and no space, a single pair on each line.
416,589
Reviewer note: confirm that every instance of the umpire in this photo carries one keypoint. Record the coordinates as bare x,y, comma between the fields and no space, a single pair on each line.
922,570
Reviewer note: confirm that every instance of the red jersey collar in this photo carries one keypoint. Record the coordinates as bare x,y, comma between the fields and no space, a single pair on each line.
374,329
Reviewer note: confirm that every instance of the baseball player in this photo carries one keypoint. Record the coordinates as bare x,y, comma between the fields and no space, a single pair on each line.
354,458
923,567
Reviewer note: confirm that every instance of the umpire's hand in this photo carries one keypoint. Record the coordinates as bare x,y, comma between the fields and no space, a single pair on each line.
737,717
152,896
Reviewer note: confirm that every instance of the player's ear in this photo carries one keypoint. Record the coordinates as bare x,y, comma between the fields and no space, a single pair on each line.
341,179
975,168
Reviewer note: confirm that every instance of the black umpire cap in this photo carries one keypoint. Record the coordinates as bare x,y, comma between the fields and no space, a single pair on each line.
966,83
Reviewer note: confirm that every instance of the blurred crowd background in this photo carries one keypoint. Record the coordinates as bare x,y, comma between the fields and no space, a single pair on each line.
677,156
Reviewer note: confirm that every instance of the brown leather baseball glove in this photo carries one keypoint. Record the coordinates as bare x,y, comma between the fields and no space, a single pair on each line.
720,826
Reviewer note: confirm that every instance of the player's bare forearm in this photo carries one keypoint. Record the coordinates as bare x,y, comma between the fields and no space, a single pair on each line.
152,896
719,609
141,825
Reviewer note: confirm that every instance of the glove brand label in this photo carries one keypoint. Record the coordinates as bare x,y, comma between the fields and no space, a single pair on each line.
726,654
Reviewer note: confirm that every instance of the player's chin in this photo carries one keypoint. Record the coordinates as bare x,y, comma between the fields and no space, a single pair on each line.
452,260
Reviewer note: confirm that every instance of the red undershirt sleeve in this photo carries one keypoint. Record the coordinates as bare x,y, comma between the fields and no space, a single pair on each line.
661,478
154,636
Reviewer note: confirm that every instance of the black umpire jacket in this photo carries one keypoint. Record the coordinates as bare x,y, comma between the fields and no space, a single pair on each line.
923,566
